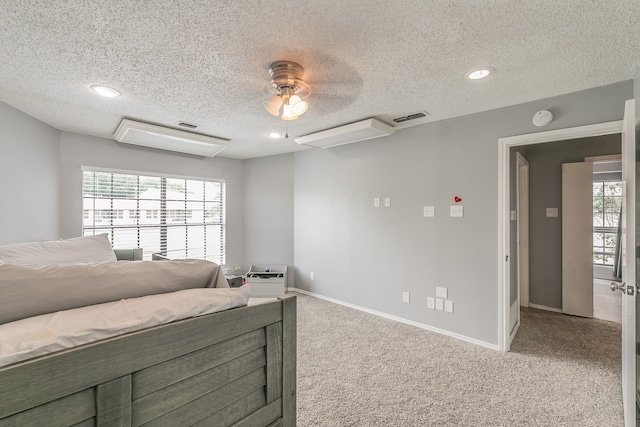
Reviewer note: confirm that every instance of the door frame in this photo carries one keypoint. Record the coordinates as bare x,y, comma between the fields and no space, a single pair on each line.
504,175
628,254
522,209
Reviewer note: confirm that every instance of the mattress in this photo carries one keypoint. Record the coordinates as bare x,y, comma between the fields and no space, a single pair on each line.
47,333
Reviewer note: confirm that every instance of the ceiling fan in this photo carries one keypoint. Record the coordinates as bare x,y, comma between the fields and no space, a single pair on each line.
288,90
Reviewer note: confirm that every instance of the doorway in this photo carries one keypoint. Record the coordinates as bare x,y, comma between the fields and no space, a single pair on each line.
504,215
627,129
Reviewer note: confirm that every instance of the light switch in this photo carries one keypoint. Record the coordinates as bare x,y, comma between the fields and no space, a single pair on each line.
431,302
376,202
405,297
456,211
429,211
448,306
387,202
552,212
441,292
513,215
439,304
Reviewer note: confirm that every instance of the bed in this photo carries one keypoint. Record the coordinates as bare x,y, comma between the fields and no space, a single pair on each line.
234,367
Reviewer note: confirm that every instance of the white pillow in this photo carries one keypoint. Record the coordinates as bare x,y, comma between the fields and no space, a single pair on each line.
79,249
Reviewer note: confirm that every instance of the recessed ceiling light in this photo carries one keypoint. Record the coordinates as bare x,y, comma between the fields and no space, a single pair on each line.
276,135
105,91
480,73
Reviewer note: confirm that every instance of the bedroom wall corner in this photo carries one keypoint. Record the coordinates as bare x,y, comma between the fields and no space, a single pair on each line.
29,178
268,212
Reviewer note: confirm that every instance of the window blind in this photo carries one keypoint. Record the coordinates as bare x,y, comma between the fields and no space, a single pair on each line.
607,202
179,218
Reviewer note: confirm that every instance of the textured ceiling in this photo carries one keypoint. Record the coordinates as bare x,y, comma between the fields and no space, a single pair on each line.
205,62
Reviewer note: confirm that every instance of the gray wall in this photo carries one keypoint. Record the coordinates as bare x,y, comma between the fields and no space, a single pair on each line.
368,256
29,151
268,212
545,191
81,150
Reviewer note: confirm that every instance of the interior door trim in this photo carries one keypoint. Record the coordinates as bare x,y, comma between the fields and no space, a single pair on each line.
504,145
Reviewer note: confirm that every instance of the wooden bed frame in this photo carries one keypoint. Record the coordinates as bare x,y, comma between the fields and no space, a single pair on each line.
236,367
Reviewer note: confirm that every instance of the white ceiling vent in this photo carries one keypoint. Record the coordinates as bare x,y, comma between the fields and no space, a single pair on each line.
354,132
137,133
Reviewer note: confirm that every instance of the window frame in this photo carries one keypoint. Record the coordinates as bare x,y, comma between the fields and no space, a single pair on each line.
97,228
603,230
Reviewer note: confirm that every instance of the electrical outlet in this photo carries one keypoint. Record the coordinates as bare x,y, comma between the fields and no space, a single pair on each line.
236,268
429,211
456,211
431,302
387,202
312,276
448,306
439,304
405,297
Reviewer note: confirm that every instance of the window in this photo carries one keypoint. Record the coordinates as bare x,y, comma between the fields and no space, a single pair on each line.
607,201
179,217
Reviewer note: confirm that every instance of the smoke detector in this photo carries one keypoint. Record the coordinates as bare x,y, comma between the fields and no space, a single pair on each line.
542,118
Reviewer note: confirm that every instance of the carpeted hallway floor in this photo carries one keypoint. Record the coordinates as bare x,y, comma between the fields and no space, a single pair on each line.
356,369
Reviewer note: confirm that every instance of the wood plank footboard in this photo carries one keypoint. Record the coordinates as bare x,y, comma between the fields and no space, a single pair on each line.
236,367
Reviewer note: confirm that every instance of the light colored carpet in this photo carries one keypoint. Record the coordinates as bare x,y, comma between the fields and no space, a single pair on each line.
356,369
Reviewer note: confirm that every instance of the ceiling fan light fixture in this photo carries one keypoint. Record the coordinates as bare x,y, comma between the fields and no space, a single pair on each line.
298,106
288,116
273,104
287,113
289,89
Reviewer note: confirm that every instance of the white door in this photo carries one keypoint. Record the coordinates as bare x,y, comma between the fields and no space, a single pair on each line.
577,239
628,265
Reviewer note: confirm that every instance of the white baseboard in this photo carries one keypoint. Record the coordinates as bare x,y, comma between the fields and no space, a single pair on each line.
544,307
398,319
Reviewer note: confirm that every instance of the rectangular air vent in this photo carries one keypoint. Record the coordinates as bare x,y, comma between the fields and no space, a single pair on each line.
409,117
354,132
187,125
147,135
